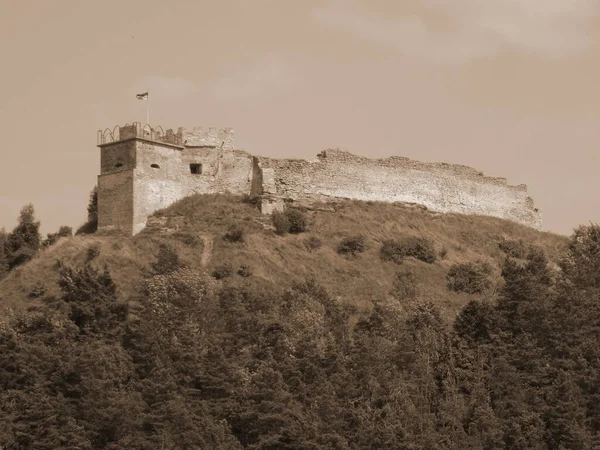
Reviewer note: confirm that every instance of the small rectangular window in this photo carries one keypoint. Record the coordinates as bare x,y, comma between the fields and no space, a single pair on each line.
196,169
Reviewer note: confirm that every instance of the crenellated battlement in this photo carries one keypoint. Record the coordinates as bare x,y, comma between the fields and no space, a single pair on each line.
208,137
146,168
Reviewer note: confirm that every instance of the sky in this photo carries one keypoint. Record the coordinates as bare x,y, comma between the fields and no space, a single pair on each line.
510,87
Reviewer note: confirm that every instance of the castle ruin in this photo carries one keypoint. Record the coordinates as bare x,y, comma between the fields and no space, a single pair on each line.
144,169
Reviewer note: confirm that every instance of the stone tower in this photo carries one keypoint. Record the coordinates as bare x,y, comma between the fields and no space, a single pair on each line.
144,169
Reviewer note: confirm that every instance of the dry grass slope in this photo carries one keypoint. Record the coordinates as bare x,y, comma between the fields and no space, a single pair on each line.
356,280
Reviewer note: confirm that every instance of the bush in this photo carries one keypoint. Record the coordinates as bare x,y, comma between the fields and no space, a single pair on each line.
514,248
417,247
92,252
37,291
63,231
291,220
471,277
235,233
443,253
352,245
280,222
222,271
312,243
405,285
167,260
297,219
244,271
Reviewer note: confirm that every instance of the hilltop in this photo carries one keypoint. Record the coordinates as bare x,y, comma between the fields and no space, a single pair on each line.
195,227
346,325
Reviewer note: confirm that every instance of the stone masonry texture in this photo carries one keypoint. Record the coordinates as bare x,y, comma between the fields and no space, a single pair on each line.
143,171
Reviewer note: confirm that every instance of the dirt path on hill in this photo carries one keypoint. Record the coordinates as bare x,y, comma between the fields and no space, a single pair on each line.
208,249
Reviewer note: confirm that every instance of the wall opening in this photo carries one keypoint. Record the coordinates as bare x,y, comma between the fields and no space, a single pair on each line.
117,165
196,169
155,166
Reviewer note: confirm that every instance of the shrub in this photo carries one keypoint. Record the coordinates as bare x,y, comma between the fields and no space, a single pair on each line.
405,285
280,222
417,247
443,253
63,231
167,260
92,252
352,245
471,277
297,219
235,233
312,243
244,271
37,291
191,240
514,248
222,271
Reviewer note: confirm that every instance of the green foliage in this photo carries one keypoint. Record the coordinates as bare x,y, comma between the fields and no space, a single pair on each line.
352,245
92,252
24,241
280,222
91,296
581,262
92,208
260,364
222,271
416,247
405,285
51,238
167,260
235,233
91,225
476,321
244,271
291,220
514,248
312,243
298,220
471,277
38,291
4,258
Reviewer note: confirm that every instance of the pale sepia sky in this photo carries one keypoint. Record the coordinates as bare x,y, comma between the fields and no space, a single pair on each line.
509,87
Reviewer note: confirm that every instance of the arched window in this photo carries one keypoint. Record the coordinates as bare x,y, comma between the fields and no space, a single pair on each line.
155,166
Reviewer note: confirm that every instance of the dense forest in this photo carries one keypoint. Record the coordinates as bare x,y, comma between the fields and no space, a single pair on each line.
222,357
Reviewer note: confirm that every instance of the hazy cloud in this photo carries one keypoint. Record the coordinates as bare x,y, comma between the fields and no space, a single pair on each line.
471,28
266,75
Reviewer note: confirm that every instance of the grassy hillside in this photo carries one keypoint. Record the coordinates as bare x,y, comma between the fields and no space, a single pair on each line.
271,341
195,227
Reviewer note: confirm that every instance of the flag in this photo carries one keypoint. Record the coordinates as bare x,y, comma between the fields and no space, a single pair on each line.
142,96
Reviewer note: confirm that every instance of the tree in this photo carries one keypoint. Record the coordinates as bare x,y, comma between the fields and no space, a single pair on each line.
51,238
25,239
91,226
581,263
3,253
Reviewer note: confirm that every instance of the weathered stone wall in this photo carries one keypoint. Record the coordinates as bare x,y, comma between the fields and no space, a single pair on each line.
440,187
155,187
208,137
154,174
122,153
115,200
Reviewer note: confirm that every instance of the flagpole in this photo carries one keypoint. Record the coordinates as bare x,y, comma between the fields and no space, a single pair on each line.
148,108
